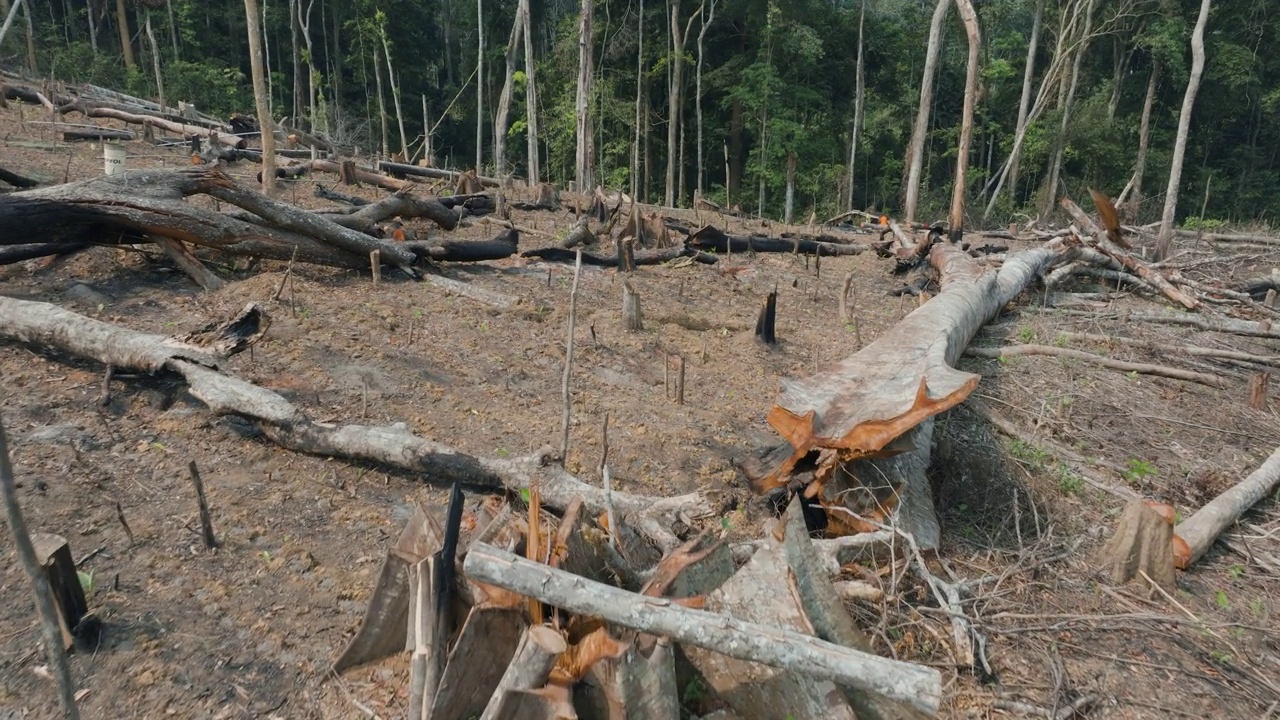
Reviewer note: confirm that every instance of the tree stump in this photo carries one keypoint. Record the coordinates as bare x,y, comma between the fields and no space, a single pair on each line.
54,555
631,316
1143,543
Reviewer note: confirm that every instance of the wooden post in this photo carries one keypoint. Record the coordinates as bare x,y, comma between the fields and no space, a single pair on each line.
536,655
631,316
679,379
206,524
375,263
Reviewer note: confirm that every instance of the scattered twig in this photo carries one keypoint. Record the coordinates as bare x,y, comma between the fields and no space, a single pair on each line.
1215,381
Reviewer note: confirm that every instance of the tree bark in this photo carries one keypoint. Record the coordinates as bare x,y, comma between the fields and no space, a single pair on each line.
1024,103
126,45
582,105
382,105
1204,526
789,202
915,152
395,94
294,28
304,24
970,18
261,99
636,185
531,98
535,656
504,100
1164,243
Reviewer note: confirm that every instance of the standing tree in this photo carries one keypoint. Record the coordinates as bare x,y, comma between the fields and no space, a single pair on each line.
263,102
126,41
583,158
1067,102
1024,103
1144,138
915,152
530,96
859,88
970,19
504,100
702,36
479,87
1165,241
676,96
635,144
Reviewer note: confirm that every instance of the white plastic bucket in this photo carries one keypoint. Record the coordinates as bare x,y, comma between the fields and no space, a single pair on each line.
113,156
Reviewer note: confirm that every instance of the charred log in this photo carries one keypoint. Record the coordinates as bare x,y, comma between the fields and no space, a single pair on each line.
713,239
650,257
502,246
16,180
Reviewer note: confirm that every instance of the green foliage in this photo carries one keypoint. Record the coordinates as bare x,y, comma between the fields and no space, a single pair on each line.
1136,470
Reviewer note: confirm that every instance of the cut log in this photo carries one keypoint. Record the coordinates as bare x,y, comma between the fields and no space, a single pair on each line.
1205,525
856,409
648,683
367,177
402,204
504,245
539,649
579,234
647,257
54,555
85,135
53,328
477,662
180,128
17,180
713,239
803,654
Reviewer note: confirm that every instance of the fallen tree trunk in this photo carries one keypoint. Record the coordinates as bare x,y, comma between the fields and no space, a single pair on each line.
144,204
649,257
99,111
16,180
914,684
870,414
402,204
362,175
97,135
1206,524
401,170
51,327
716,240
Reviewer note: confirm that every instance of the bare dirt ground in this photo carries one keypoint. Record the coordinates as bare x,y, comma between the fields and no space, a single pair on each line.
251,629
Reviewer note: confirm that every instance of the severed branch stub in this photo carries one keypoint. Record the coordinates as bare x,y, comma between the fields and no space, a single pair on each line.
914,684
206,524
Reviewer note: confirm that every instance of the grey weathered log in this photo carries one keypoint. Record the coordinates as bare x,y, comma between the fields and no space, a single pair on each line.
648,684
539,649
917,685
1206,524
284,423
401,204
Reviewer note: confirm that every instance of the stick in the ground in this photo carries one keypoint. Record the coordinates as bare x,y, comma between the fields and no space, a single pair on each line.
206,524
375,264
920,686
1206,524
1258,390
44,596
536,655
568,360
767,319
104,398
608,484
288,271
679,379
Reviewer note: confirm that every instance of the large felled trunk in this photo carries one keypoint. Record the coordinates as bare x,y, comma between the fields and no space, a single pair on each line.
869,416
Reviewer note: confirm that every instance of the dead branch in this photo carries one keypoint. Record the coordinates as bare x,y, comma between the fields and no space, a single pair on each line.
1222,325
1206,524
1215,381
646,257
917,685
50,327
402,170
1163,347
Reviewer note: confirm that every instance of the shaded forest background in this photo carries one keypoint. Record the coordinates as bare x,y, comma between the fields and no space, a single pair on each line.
778,80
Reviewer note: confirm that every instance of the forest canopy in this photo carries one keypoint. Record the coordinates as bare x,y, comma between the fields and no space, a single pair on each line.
779,90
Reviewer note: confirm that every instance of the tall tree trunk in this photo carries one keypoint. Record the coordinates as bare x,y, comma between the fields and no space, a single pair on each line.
31,39
635,144
304,23
531,97
707,19
395,94
504,100
426,135
734,187
582,106
1144,138
859,89
93,27
1165,242
1024,104
788,211
155,60
335,48
675,97
448,42
479,87
970,18
1068,103
915,152
173,27
382,105
266,54
122,24
265,122
294,29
